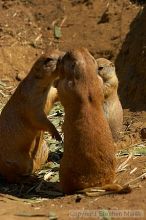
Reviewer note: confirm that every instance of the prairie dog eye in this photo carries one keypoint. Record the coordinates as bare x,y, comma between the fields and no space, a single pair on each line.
48,60
100,68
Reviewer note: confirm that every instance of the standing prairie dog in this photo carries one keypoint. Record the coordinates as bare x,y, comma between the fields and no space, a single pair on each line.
89,155
112,106
23,120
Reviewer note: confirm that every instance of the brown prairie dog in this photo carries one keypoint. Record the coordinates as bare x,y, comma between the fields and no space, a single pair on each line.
112,106
89,155
23,120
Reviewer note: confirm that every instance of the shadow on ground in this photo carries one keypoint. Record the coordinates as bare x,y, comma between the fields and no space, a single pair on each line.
31,188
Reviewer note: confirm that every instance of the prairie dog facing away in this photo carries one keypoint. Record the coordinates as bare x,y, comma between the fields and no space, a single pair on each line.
23,120
89,155
112,106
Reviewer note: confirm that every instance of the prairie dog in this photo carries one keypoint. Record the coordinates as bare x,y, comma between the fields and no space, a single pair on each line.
89,155
23,120
112,106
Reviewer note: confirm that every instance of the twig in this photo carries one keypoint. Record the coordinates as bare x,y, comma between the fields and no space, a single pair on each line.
124,164
143,176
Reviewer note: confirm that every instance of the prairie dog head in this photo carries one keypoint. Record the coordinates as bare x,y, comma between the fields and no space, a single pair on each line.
106,69
44,69
52,58
78,79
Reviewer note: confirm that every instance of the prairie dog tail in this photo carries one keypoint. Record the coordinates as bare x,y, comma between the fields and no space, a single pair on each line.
106,189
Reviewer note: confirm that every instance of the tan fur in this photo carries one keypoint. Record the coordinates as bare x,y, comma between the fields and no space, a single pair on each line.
106,189
51,99
88,158
23,120
112,106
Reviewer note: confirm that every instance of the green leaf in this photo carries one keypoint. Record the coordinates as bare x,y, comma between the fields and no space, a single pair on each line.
139,151
57,32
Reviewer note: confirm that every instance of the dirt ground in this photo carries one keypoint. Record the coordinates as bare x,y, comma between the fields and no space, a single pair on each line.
113,29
